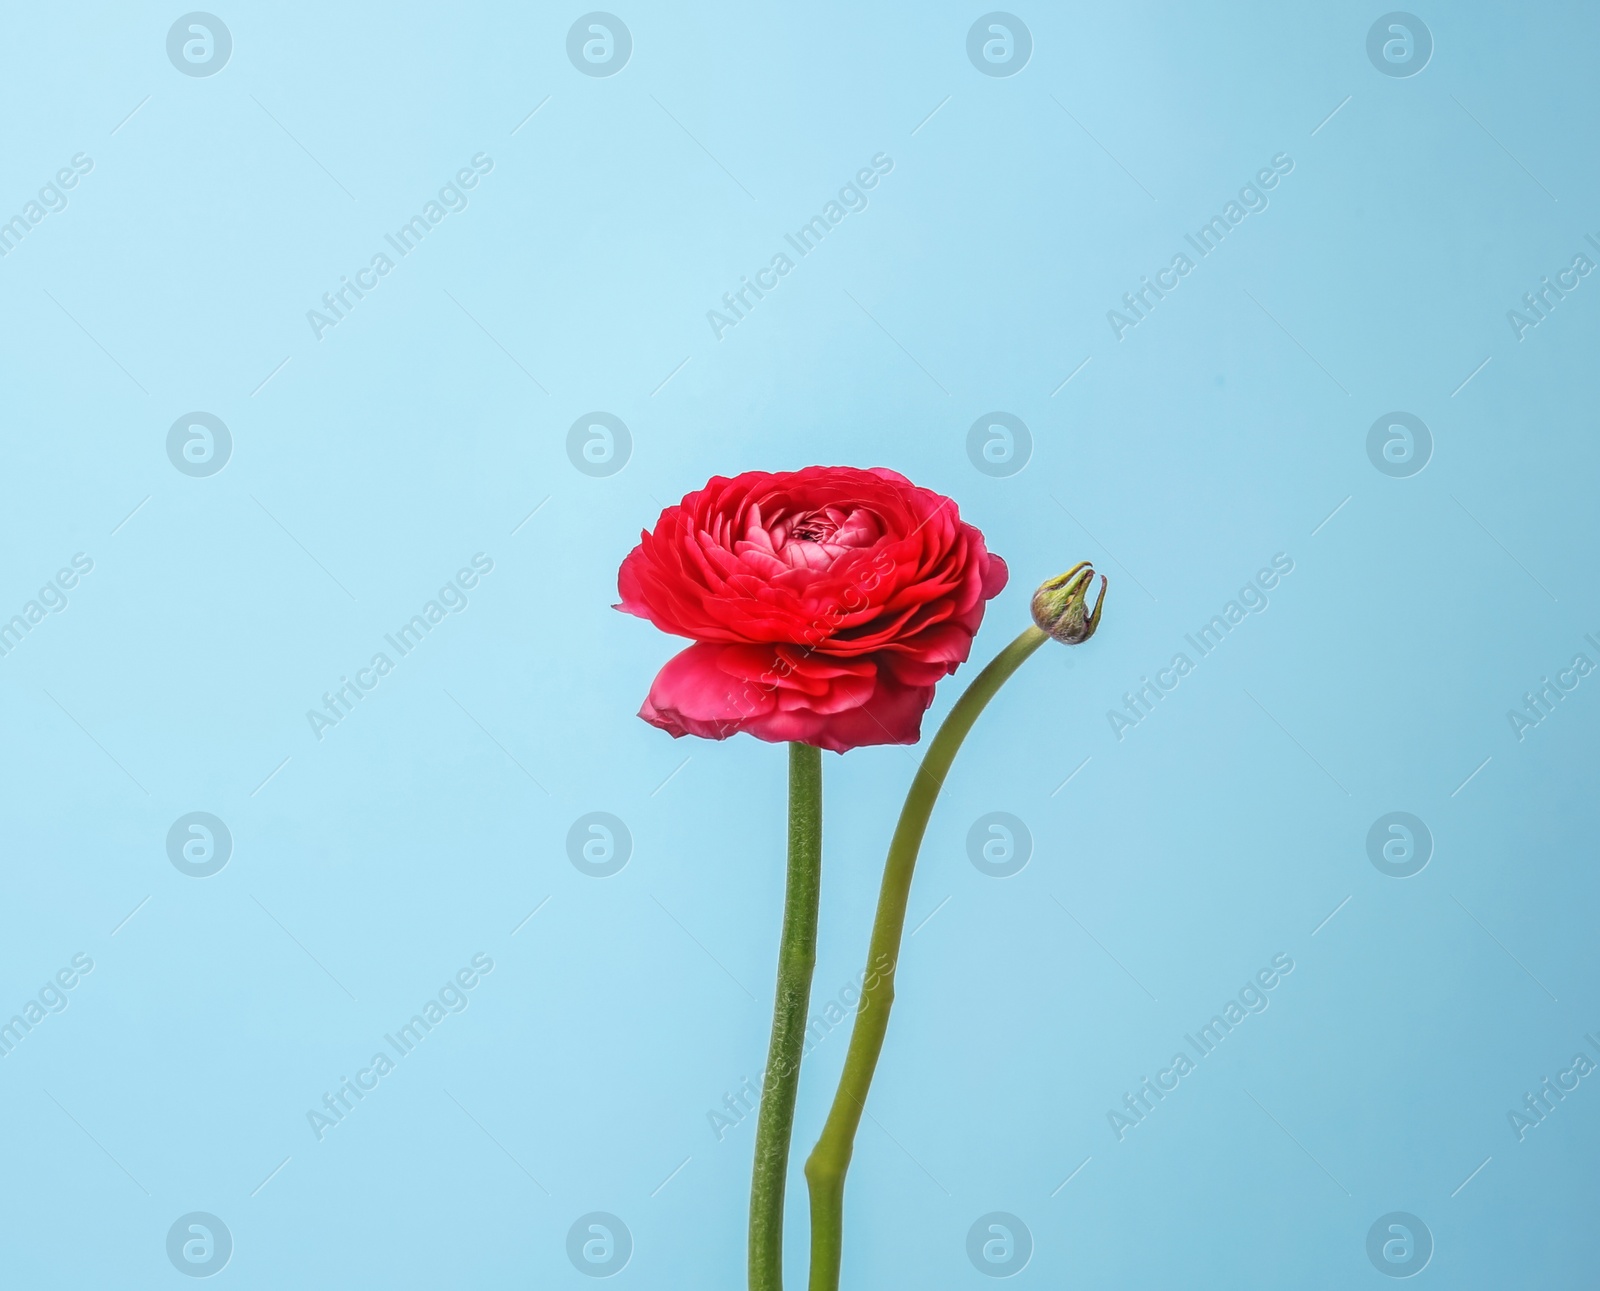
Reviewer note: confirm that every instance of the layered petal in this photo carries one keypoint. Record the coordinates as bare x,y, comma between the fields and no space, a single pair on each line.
824,603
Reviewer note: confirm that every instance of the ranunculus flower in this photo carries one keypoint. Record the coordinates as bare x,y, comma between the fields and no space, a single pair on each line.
824,604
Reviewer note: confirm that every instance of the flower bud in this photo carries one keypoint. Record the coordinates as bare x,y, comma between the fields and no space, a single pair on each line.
1060,606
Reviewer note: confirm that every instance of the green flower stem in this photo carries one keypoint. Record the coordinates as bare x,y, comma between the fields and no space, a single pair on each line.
797,956
825,1170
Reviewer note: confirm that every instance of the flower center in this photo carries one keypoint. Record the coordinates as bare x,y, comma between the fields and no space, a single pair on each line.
815,539
812,539
813,528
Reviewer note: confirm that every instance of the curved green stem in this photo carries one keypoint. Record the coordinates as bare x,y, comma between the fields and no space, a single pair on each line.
797,956
825,1169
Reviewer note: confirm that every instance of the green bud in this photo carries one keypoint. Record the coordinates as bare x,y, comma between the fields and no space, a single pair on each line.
1060,606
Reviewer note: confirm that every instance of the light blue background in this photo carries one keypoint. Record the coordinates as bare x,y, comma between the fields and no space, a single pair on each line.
370,865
